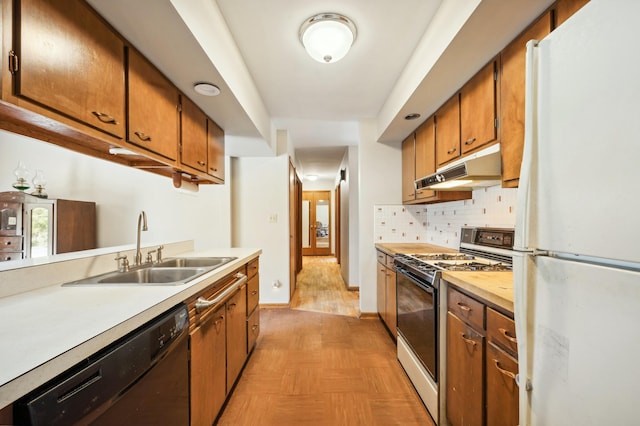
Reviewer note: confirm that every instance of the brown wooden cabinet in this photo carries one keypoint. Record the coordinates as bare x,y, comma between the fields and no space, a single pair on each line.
253,300
478,110
512,97
66,59
563,9
409,169
153,108
208,367
425,156
193,136
448,131
386,292
236,335
481,364
215,150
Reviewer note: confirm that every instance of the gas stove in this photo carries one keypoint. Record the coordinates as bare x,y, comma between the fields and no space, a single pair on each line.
481,249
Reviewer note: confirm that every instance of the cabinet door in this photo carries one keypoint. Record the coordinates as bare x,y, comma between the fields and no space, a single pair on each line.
502,391
448,131
71,63
381,293
512,92
408,169
565,8
425,155
215,147
153,108
236,335
478,112
253,329
391,308
208,368
465,363
193,136
253,293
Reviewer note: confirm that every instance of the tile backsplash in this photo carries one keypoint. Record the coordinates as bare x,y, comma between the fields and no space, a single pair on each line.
440,224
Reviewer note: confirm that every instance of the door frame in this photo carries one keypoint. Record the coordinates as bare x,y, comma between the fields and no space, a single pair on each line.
313,197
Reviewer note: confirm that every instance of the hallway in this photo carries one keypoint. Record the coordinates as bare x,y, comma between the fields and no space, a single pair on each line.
322,369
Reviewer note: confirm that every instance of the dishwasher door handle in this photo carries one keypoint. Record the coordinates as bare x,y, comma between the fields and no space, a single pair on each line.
203,303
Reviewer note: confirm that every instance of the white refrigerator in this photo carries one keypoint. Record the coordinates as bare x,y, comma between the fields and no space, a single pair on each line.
577,268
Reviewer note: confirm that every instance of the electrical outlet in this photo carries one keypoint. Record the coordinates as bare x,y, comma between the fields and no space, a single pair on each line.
273,218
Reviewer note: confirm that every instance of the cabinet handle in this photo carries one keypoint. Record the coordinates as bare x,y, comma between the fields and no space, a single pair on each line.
203,303
213,168
469,141
105,118
8,243
231,306
254,292
466,339
464,307
202,163
506,334
254,328
142,136
452,150
218,323
503,371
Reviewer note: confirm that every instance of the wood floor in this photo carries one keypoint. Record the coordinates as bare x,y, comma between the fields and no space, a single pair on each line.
312,368
320,288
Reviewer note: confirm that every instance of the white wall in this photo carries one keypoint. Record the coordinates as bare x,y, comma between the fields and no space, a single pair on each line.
260,191
121,193
380,171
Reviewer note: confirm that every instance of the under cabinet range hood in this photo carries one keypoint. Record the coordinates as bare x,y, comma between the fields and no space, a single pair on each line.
477,170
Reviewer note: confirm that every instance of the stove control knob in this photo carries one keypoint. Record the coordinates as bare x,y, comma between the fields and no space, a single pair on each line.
440,178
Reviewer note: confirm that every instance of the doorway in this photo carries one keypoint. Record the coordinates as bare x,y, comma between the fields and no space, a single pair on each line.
316,223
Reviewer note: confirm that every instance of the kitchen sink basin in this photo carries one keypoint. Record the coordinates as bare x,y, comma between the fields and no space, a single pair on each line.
194,262
173,271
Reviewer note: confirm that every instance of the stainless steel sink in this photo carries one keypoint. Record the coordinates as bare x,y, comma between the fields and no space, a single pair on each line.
174,271
194,262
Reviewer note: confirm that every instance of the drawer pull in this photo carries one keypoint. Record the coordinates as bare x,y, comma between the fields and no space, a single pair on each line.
452,150
105,118
469,341
503,371
8,243
254,328
143,136
202,163
469,141
507,336
464,307
254,292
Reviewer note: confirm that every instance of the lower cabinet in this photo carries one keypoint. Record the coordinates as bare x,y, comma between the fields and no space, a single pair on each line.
481,364
386,292
236,335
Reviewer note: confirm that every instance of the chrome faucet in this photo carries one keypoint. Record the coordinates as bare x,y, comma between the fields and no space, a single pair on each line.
142,219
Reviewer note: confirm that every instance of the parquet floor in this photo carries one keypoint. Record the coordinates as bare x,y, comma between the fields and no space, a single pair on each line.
313,368
320,288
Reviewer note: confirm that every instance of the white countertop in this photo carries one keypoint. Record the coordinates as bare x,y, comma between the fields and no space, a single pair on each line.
45,331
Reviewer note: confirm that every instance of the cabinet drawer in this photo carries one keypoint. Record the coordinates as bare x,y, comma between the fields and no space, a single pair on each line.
469,310
10,243
253,293
10,255
253,329
502,391
389,262
252,267
382,258
501,330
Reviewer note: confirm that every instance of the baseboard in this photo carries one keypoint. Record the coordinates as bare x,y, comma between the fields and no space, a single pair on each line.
349,288
274,305
369,315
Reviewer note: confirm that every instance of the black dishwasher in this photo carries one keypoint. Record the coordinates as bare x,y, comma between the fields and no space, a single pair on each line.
142,379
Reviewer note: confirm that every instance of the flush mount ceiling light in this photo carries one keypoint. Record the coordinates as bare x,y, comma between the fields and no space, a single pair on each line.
327,37
206,89
312,177
412,116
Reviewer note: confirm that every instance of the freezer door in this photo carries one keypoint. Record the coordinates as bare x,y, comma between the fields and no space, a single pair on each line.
582,343
583,152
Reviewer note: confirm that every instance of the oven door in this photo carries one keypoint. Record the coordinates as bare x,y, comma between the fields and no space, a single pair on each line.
418,318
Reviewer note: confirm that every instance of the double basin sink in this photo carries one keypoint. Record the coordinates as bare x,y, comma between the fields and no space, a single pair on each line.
173,271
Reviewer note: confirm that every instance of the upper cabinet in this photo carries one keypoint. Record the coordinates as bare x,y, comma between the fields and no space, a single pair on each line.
512,92
408,169
70,79
563,10
478,109
425,155
215,150
154,118
66,59
448,131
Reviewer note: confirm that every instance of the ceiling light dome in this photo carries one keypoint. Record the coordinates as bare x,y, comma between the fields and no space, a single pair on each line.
327,37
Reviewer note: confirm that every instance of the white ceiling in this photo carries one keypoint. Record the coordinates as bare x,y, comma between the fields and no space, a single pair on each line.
409,56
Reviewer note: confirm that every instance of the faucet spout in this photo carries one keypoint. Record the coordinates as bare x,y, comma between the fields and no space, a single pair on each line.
142,225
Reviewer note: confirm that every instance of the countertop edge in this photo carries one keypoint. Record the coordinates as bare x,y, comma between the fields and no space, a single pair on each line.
475,287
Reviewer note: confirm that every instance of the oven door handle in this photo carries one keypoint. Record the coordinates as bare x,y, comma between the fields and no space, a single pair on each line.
419,282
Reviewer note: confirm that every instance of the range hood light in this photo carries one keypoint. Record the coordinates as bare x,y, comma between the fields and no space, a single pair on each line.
451,184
